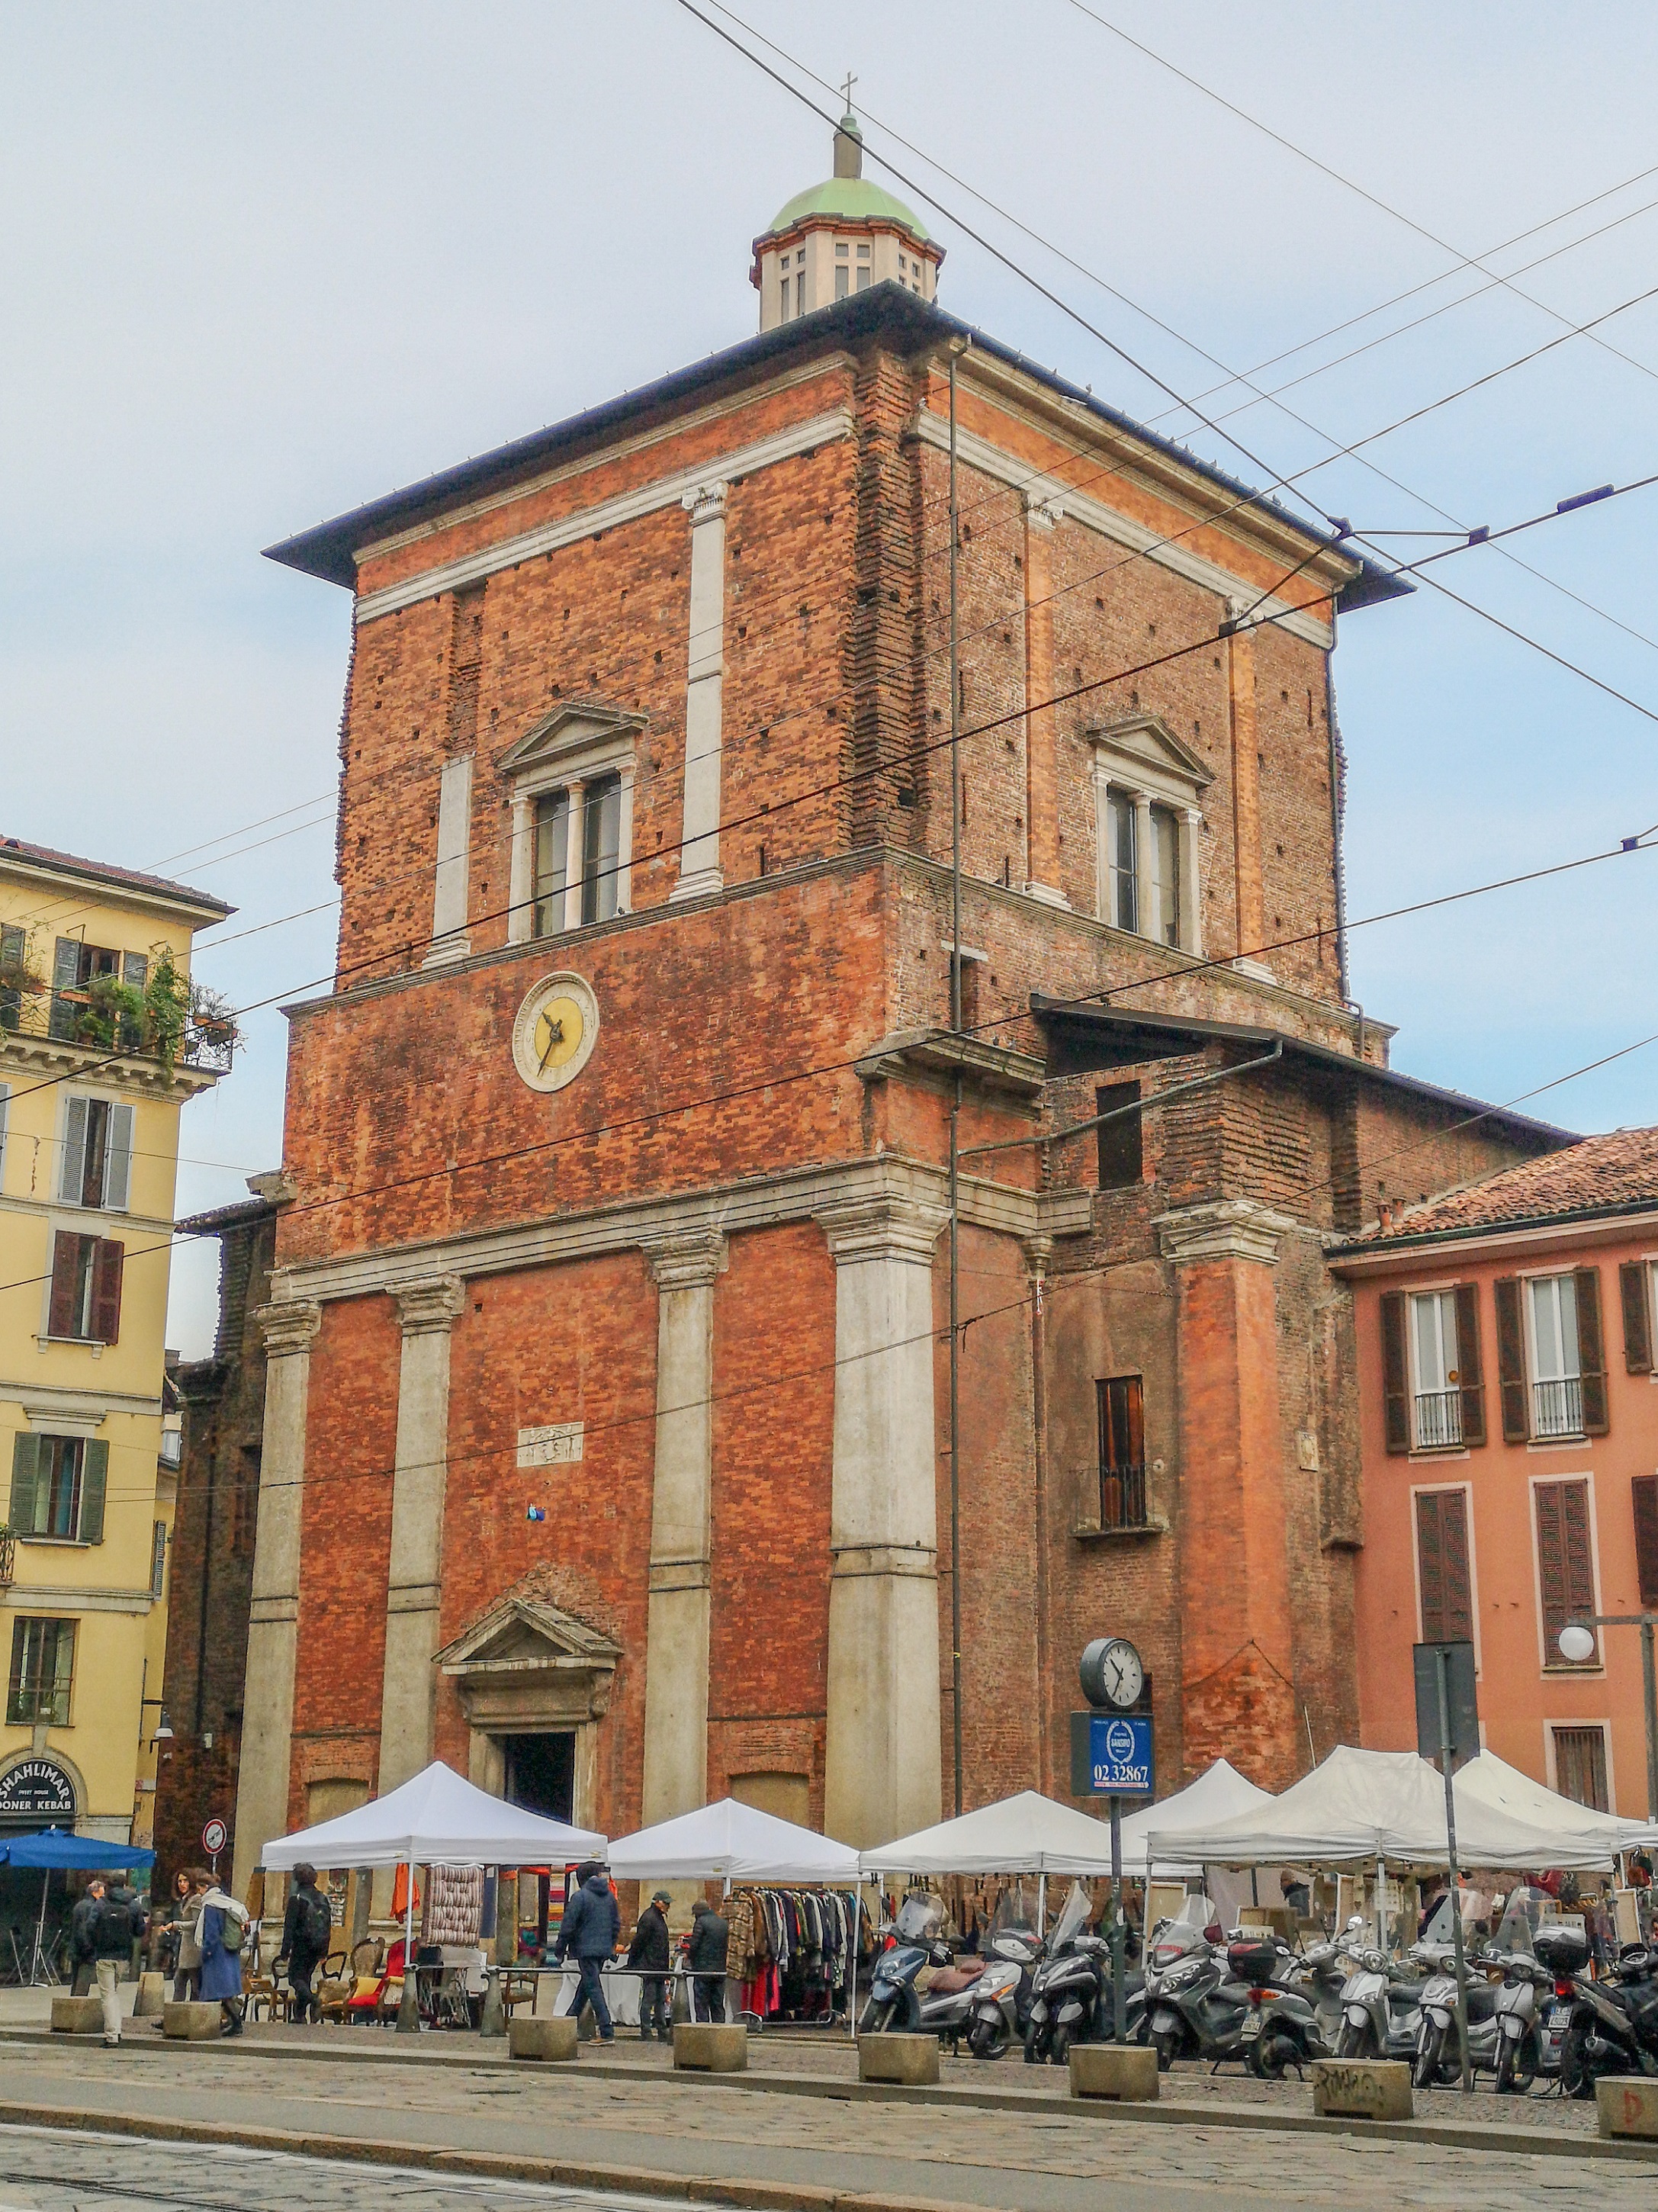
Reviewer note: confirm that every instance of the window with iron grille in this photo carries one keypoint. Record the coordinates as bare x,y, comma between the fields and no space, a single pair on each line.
42,1674
1122,1451
1580,1767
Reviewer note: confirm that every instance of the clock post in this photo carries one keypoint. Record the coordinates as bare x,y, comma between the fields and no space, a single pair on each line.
1111,1757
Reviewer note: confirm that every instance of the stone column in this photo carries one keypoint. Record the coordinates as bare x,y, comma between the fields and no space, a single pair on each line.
1041,729
574,844
624,842
699,857
449,890
1191,886
414,1584
1145,868
273,1616
677,1645
1251,909
1236,1652
522,886
884,1771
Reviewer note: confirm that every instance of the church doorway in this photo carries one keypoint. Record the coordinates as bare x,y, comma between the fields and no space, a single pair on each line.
540,1773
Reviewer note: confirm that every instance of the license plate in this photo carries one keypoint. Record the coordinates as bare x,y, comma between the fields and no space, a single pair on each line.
1252,2027
1560,2018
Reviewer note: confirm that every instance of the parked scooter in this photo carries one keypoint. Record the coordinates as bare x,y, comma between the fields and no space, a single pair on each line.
1382,2007
1280,2027
1197,2007
1611,2027
1000,2000
895,2002
1502,2024
1072,1997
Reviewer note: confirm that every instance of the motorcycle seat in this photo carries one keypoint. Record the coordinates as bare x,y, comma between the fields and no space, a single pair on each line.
1482,2001
950,1981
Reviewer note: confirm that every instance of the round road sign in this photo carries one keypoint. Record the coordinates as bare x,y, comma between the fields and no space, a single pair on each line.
215,1837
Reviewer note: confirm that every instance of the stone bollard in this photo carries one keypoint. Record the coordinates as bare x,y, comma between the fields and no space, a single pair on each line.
709,2046
192,2023
77,2016
152,1995
1125,2073
1361,2088
909,2058
493,2021
1626,2105
531,2038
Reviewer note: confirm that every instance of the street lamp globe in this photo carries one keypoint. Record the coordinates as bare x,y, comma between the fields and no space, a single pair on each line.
1577,1644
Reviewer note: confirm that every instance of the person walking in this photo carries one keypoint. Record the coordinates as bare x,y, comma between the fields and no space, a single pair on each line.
120,1921
590,1931
187,1975
82,1947
649,1953
710,1944
223,1925
307,1925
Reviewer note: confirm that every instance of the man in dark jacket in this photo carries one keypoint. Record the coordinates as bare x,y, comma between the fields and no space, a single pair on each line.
649,1956
120,1922
589,1932
710,1943
307,1925
83,1944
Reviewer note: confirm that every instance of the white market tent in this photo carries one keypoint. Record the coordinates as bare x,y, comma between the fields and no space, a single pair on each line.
1369,1806
1220,1793
730,1842
1490,1781
435,1819
1025,1834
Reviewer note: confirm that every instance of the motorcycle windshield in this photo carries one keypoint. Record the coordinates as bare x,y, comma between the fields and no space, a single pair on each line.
919,1917
1074,1918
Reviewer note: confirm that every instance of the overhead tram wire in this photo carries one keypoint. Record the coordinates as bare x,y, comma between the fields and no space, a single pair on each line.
1010,1014
1233,377
1073,1277
1336,176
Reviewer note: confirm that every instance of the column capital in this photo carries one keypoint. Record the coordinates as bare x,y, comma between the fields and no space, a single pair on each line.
429,1305
882,1228
1038,1249
706,503
689,1261
1231,1229
288,1326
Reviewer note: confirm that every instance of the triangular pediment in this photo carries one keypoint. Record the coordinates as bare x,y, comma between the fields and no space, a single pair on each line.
519,1632
1147,740
575,727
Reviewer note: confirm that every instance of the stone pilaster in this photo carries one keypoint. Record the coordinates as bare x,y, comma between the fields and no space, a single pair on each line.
883,1764
1249,892
414,1585
273,1618
700,870
686,1268
1041,512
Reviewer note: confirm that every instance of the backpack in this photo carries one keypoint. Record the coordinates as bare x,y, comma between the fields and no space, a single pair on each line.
316,1924
112,1929
234,1927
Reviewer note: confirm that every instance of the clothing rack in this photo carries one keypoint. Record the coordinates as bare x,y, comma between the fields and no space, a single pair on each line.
794,1951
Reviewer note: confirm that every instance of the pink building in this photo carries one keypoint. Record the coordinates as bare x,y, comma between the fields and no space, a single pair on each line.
1509,1450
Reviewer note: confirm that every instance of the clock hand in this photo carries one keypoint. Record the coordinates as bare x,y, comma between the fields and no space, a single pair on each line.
554,1036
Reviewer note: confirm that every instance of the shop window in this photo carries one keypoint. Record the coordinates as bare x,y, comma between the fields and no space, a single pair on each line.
1121,1403
1580,1767
97,1164
1550,1356
85,1302
1444,1569
1565,1564
1120,1140
58,1486
42,1674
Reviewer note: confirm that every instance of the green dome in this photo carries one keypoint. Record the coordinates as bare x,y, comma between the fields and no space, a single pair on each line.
855,199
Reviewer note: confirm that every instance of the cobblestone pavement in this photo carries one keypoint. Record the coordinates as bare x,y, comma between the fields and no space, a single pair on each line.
1029,2161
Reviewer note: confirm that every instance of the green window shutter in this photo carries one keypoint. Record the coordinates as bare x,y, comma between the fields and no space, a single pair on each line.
25,1473
95,1478
66,964
71,1187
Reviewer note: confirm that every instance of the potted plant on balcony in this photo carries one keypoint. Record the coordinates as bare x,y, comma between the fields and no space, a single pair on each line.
183,1016
113,1017
19,979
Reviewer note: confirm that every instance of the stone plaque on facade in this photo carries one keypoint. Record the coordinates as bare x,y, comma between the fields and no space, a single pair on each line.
554,1446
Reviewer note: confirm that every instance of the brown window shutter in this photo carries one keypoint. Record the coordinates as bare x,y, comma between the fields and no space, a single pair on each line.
1591,1352
1512,1360
1637,1323
1469,1368
1395,1399
1564,1569
1644,1497
1442,1547
106,1291
60,1319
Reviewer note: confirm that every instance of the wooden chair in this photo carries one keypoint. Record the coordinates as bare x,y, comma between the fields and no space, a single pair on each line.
335,1985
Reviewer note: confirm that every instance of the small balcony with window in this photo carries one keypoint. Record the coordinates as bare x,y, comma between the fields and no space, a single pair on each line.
1557,1381
101,1000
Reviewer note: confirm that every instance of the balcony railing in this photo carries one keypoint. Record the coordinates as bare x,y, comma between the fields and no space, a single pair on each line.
1122,1497
1438,1418
1558,1408
73,1017
8,1556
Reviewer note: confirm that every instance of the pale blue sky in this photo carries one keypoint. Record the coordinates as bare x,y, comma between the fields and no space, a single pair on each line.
261,264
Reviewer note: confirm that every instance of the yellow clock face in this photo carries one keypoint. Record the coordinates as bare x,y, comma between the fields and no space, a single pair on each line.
555,1032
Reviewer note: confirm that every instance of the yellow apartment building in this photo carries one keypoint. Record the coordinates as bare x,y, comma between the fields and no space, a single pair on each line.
103,1038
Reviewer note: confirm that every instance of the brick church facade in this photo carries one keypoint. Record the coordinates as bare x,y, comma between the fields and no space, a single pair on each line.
605,1436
